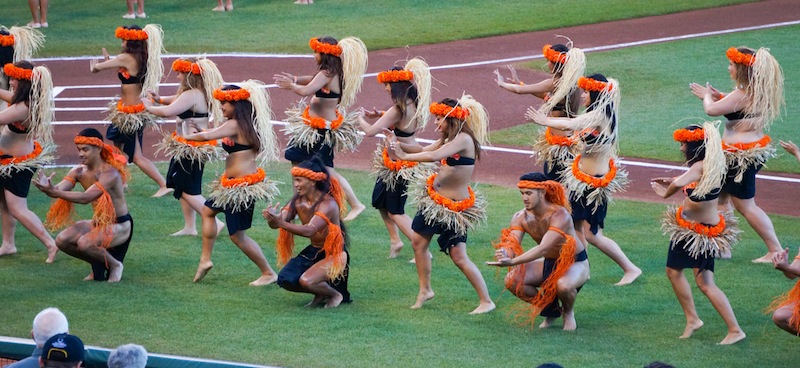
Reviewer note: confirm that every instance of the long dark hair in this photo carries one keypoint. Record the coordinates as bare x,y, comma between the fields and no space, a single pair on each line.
455,126
23,91
243,113
138,49
401,92
558,68
591,139
695,150
331,65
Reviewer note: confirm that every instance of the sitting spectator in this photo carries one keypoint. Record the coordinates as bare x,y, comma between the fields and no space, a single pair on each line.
128,356
62,351
46,324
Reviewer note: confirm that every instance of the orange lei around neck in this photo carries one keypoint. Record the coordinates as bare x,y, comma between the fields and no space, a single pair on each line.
556,140
733,147
132,109
457,206
320,123
37,149
183,140
248,179
710,231
591,180
396,165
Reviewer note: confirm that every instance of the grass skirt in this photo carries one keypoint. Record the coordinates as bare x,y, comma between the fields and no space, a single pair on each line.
418,172
739,160
300,134
699,244
130,123
46,157
180,150
238,198
595,196
434,213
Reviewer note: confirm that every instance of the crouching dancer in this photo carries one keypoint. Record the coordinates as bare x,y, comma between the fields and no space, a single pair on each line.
102,241
558,266
322,267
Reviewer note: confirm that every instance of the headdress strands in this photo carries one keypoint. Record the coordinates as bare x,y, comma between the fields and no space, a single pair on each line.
324,48
231,95
392,76
686,135
309,174
130,34
183,66
589,84
553,56
15,72
443,110
739,57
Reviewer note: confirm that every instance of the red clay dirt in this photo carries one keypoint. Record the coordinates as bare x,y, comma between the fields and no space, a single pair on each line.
505,109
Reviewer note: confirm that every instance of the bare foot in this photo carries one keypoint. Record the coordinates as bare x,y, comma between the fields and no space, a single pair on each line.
394,249
354,212
7,250
51,254
220,226
229,7
265,280
569,321
162,192
202,270
732,338
483,308
414,260
185,232
218,9
334,301
318,299
629,277
115,273
548,322
90,277
691,327
767,258
422,297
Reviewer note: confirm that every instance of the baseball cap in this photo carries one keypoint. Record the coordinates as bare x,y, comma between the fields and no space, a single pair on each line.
63,348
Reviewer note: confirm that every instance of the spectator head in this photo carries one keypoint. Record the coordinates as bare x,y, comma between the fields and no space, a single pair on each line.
62,351
128,356
48,323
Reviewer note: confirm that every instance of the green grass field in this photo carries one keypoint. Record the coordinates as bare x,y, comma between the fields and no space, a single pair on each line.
158,306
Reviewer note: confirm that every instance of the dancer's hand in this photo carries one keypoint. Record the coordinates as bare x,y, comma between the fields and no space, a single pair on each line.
716,95
372,114
698,90
105,55
662,180
92,65
498,78
273,215
660,186
780,259
535,115
790,147
503,260
285,80
514,78
44,183
146,101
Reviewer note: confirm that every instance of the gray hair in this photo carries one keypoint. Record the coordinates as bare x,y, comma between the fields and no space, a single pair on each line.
48,323
128,356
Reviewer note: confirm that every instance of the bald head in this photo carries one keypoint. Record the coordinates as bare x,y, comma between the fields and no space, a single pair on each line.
48,323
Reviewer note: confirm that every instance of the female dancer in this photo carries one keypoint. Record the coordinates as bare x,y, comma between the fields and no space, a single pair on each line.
592,176
553,146
320,127
698,231
447,204
248,138
140,70
192,105
17,43
26,144
750,108
322,268
410,90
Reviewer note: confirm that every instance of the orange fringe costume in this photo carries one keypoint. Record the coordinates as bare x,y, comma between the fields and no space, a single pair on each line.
698,239
791,297
597,191
304,130
511,245
334,240
459,216
741,156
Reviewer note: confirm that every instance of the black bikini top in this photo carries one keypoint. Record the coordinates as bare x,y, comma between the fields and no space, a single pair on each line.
689,190
401,133
188,114
235,147
17,128
458,160
326,93
127,78
736,115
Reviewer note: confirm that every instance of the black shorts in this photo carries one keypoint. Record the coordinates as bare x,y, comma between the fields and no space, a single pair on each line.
553,310
393,201
586,212
18,183
185,176
99,269
297,154
126,142
744,190
551,172
289,277
678,258
447,238
235,221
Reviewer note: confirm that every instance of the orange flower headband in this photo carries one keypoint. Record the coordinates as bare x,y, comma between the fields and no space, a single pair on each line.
15,72
183,66
686,135
231,95
392,76
324,48
130,34
589,84
553,56
97,142
554,192
6,40
440,109
309,174
739,57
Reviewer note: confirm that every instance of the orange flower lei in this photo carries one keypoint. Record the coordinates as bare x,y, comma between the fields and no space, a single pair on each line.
324,48
392,76
396,165
37,149
589,84
553,56
710,231
556,140
248,179
457,206
183,66
6,40
309,174
320,123
183,140
591,180
132,109
739,57
733,147
15,72
686,135
440,109
130,34
231,95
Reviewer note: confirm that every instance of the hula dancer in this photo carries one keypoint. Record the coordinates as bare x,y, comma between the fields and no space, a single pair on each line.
322,126
16,44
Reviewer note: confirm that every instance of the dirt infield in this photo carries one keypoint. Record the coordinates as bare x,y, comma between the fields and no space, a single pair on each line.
480,57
